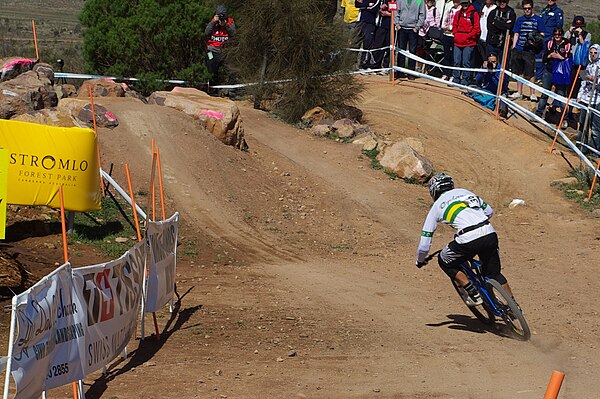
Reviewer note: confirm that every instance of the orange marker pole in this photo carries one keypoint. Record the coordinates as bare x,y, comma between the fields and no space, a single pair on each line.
65,255
152,188
37,53
501,83
554,386
160,185
63,225
562,118
97,138
594,181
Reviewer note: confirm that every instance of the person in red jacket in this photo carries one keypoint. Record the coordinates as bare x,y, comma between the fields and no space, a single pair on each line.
466,31
218,31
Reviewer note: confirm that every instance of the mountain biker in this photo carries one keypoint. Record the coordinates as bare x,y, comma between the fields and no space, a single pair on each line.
469,215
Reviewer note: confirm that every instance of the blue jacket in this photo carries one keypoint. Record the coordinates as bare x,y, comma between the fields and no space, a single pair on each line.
490,80
553,17
369,11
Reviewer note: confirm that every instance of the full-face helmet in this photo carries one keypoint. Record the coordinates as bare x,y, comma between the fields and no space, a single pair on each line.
439,184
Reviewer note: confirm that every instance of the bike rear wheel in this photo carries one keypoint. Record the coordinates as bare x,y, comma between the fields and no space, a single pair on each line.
512,314
482,312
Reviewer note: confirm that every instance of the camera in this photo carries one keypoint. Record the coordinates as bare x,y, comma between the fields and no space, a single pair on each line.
222,18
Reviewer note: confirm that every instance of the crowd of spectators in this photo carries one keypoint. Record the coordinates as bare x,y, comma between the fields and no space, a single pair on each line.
473,33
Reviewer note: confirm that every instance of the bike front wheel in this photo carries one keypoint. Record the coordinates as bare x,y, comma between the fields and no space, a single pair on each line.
511,312
482,312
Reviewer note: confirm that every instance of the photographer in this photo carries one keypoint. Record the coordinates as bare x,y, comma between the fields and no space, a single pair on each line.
557,50
489,82
580,41
218,31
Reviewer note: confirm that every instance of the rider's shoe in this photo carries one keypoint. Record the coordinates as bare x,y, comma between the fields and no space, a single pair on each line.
471,295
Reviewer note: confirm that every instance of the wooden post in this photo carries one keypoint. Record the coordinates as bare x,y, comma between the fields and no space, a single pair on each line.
501,83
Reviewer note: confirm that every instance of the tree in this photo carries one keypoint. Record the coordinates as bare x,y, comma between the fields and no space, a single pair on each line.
294,41
147,39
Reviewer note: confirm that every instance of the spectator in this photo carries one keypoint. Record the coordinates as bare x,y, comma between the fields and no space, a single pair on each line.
489,81
369,10
219,30
432,18
579,39
480,54
557,50
448,39
350,14
408,20
553,18
466,30
589,95
500,21
525,47
382,37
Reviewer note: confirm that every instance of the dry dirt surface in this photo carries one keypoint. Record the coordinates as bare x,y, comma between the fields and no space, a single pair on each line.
296,268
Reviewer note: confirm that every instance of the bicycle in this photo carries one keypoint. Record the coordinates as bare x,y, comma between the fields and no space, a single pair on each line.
497,303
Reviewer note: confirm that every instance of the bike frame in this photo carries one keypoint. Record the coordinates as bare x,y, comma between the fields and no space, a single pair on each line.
472,269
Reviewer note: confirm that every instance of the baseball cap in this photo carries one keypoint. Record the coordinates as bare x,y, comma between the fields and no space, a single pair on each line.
578,21
464,1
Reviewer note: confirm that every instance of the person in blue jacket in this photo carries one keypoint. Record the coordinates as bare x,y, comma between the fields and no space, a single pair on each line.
367,18
553,17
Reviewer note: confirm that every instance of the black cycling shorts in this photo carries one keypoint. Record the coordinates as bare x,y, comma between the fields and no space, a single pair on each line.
486,248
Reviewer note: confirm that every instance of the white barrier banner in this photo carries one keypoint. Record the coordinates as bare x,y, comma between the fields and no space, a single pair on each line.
110,295
162,239
49,329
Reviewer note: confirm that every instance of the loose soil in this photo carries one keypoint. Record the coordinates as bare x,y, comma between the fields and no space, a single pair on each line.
296,272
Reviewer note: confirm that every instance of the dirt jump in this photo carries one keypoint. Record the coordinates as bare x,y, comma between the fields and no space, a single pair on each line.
296,269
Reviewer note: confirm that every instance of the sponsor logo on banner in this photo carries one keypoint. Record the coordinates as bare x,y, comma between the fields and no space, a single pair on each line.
162,239
41,158
49,327
110,294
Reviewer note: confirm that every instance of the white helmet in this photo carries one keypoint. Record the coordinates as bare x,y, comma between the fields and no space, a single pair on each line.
439,184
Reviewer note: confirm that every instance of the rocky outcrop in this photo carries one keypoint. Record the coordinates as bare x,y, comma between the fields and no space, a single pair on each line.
402,159
14,66
314,116
30,91
82,110
51,117
101,87
220,116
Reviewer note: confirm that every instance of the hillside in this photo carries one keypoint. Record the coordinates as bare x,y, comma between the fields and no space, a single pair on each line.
296,270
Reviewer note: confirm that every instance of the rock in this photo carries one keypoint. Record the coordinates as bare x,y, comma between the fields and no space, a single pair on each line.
416,144
321,130
43,69
121,240
25,93
516,202
65,91
343,128
370,145
348,112
14,66
292,353
567,181
314,116
101,87
219,372
82,110
50,117
220,116
596,213
280,359
404,161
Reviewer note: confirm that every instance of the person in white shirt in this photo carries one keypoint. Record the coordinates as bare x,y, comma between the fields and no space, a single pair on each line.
490,5
475,235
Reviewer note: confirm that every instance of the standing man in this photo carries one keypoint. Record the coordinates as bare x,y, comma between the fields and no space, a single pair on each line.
466,31
218,31
367,18
500,20
382,37
529,31
408,20
553,17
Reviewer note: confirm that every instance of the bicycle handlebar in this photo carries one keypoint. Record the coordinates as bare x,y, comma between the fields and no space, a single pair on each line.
433,255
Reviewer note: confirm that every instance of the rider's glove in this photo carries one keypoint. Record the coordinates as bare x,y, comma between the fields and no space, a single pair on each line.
421,264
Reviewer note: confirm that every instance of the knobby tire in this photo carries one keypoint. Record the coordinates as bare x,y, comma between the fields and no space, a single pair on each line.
513,316
482,312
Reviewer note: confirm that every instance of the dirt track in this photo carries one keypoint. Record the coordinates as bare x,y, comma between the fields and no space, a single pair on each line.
305,284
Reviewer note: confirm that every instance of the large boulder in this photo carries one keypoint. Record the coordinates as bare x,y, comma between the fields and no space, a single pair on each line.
220,116
82,110
14,66
401,159
101,87
27,92
314,116
52,117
